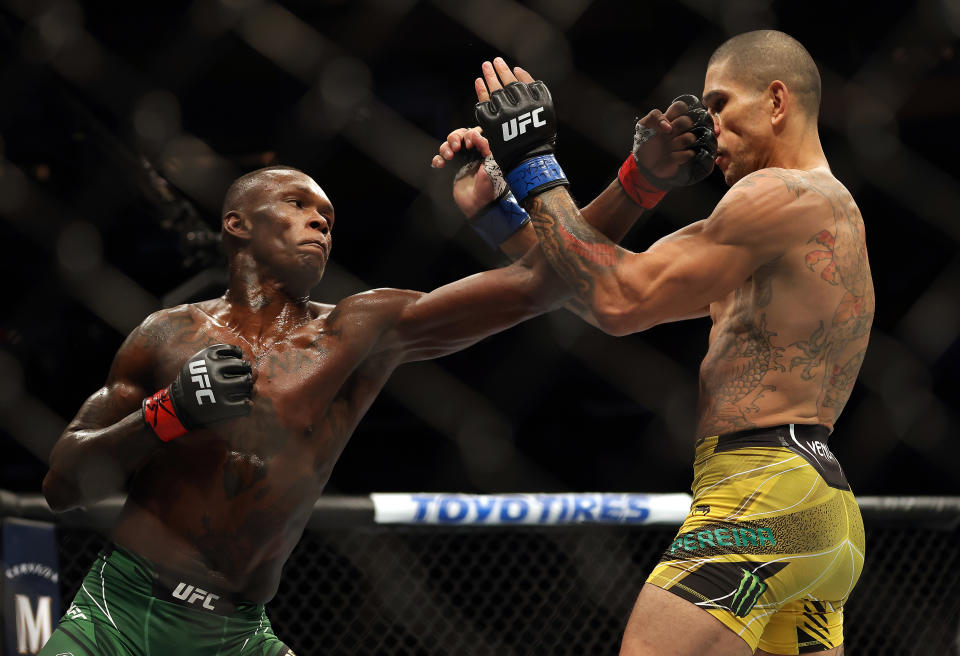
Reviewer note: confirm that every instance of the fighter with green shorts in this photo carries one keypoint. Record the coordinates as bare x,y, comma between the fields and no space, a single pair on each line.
128,606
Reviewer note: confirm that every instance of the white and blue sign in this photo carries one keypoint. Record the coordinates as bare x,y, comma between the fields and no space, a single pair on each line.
534,509
31,585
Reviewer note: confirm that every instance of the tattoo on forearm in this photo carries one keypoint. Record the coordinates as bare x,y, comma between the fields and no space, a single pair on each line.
577,253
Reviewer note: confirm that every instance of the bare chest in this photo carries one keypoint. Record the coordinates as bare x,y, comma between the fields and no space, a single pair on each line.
299,380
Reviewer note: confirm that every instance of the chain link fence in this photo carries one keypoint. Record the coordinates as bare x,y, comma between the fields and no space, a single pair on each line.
430,591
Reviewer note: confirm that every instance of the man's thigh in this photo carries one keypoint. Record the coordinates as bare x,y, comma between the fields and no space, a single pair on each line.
663,624
82,639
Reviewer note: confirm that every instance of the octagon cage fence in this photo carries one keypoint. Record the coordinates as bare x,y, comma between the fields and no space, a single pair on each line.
369,577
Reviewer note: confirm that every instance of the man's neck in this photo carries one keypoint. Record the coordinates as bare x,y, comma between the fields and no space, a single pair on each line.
803,152
261,308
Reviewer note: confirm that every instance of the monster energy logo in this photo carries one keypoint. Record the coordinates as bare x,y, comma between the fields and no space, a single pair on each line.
747,594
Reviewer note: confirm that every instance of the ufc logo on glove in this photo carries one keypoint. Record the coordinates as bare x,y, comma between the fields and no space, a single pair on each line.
518,125
199,370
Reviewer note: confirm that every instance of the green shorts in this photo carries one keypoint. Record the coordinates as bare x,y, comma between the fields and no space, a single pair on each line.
125,607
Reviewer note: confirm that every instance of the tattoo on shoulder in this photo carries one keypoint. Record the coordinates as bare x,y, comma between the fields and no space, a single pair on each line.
795,183
835,350
176,327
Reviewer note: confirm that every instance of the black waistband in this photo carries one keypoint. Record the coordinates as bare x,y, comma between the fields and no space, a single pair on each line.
808,441
185,590
787,435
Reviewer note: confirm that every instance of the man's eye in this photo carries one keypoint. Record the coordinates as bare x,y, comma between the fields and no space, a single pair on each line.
296,202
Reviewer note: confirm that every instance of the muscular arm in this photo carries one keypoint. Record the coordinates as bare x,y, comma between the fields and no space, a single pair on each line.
457,315
680,274
612,213
108,440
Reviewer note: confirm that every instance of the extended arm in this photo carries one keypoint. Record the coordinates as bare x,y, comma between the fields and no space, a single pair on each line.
628,292
674,148
419,326
671,150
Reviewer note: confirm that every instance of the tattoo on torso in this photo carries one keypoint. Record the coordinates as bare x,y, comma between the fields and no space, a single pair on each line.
240,483
781,350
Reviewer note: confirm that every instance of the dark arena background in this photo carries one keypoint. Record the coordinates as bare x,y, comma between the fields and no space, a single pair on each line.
122,124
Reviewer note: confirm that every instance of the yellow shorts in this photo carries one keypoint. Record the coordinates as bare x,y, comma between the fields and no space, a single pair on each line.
773,543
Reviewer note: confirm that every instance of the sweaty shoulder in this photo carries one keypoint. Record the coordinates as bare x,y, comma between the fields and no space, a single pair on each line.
164,326
367,321
376,309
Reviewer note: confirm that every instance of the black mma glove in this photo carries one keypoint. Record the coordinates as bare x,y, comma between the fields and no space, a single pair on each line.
520,123
643,186
213,385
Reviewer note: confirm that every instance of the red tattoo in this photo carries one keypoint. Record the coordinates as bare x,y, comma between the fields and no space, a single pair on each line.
829,273
602,254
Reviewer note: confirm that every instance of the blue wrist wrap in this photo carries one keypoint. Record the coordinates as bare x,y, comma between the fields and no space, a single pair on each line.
537,174
498,223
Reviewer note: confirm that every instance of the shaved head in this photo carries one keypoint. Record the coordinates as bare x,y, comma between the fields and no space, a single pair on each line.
758,58
240,189
241,192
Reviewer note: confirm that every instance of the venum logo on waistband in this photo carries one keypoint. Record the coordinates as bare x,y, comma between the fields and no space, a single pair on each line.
191,595
821,449
816,448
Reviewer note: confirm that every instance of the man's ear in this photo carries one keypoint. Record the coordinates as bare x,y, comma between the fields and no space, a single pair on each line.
780,103
236,225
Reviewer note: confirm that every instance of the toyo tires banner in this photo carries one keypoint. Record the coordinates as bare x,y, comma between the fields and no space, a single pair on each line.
534,508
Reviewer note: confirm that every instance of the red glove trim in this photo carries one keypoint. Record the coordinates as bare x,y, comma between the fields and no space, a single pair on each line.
638,187
159,415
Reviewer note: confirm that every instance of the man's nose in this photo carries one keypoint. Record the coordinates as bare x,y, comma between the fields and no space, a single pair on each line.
320,223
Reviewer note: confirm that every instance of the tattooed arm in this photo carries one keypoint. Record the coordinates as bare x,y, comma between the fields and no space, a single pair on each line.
680,274
108,440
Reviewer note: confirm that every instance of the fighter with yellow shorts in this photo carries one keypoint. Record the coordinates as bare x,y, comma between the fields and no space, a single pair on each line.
774,541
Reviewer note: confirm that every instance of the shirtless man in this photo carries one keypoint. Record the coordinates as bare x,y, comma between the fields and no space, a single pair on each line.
223,465
774,541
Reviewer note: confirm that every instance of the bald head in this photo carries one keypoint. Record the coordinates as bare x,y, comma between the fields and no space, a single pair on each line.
758,58
247,190
249,184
